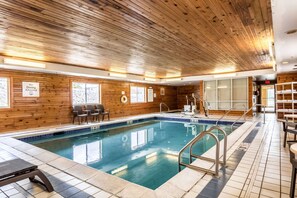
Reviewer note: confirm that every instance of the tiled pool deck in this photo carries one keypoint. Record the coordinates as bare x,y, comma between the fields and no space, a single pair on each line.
262,170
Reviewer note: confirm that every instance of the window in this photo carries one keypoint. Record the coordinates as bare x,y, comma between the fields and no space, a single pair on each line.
137,94
83,93
226,94
4,93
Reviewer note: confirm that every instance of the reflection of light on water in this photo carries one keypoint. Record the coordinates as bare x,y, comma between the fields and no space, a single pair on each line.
121,173
171,157
151,155
151,159
119,169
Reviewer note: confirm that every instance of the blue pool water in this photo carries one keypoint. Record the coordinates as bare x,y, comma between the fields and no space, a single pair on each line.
145,154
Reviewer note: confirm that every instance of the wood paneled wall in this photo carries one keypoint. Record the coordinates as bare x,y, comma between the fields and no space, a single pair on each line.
287,77
184,91
54,107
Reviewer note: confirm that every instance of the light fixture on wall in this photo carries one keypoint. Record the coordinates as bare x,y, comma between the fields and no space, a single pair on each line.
19,62
224,75
117,75
173,79
150,79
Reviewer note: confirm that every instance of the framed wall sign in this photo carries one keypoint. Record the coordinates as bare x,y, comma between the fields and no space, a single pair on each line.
30,89
162,91
150,95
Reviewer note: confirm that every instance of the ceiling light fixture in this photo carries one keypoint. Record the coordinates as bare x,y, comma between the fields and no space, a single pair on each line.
150,79
173,79
285,62
18,62
224,75
119,75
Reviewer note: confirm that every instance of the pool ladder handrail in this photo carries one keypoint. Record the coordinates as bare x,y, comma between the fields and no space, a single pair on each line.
227,114
244,114
162,103
217,157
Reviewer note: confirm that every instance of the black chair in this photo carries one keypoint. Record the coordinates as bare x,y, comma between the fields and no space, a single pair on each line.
92,112
294,170
102,111
289,127
80,112
17,169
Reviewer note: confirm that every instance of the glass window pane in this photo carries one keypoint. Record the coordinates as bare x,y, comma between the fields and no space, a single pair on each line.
137,94
239,89
78,93
4,92
140,94
92,91
239,93
210,91
133,94
224,94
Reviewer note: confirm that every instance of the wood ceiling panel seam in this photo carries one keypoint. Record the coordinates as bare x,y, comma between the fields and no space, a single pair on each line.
214,54
165,36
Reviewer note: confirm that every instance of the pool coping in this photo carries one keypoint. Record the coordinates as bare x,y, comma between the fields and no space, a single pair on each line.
114,123
177,186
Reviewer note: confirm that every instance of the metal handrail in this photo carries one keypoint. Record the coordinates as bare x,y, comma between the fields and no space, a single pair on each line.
225,143
227,114
162,103
243,115
216,160
255,105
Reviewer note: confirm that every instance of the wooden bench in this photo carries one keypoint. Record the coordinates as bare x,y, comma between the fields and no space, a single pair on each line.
17,169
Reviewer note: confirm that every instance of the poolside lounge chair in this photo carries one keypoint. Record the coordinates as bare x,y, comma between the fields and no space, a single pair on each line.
102,111
289,127
80,112
92,112
17,169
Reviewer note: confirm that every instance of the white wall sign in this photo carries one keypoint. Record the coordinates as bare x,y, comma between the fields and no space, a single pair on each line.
150,95
162,91
30,89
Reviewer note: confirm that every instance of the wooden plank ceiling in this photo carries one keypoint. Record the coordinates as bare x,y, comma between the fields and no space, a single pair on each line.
161,38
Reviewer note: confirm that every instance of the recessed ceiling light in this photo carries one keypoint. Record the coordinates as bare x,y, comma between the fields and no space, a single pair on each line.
149,79
120,75
173,79
25,63
285,62
293,31
224,75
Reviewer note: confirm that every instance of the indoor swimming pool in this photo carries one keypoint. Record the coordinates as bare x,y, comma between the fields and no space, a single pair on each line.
144,153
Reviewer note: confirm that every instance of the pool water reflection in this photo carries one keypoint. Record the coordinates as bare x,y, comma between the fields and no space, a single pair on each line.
145,153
